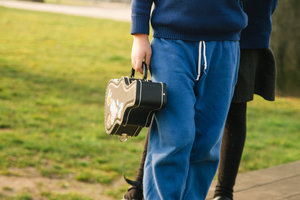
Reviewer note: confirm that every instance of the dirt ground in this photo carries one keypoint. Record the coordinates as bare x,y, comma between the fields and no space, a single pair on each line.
29,181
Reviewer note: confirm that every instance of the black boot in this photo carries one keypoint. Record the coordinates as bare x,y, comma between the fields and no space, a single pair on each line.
222,198
135,192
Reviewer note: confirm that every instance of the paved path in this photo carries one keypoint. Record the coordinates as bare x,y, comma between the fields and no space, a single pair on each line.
276,183
117,11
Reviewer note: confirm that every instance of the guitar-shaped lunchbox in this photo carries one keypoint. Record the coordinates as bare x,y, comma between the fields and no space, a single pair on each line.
130,104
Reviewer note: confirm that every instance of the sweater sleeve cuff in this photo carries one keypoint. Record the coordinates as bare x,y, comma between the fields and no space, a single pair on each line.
139,24
258,40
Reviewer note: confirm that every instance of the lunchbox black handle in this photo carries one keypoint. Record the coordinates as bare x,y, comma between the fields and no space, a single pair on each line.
144,65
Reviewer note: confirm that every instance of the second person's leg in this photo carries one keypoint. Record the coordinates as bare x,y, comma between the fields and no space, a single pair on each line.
232,149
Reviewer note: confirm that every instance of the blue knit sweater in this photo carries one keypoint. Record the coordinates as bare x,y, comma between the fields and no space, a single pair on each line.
257,33
196,20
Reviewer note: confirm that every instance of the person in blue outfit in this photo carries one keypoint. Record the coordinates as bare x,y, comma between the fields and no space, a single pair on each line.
195,51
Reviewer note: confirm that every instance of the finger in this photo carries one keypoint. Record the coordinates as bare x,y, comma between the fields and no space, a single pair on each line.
132,64
138,65
148,59
133,60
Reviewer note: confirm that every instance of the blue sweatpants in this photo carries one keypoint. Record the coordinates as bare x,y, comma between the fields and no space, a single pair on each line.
185,136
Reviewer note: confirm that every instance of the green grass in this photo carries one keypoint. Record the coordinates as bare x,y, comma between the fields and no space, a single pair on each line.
53,73
64,196
49,196
273,133
54,70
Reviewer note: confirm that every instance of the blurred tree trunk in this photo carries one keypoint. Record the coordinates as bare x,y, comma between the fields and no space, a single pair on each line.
285,42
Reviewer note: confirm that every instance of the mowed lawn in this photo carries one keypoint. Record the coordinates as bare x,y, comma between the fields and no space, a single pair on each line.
53,73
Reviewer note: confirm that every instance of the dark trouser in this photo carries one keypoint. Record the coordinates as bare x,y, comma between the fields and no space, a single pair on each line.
232,148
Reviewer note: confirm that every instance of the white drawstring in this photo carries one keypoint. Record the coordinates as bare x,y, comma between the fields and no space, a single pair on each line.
199,61
200,57
204,55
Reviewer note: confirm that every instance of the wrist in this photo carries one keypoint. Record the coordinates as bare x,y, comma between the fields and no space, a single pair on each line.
139,36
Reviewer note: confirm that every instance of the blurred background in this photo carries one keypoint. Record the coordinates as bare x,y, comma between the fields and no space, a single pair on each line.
54,68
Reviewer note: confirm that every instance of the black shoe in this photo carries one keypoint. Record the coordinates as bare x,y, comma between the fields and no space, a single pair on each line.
135,192
222,198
